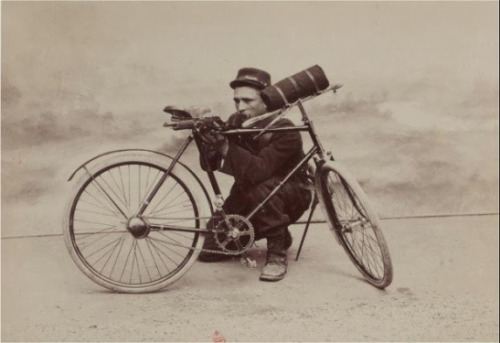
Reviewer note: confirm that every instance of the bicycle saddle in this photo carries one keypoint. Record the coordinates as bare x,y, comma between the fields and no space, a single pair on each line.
178,112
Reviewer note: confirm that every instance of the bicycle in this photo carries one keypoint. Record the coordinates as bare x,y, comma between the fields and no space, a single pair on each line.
137,219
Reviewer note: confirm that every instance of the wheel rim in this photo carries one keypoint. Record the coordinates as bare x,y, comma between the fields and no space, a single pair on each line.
357,231
120,248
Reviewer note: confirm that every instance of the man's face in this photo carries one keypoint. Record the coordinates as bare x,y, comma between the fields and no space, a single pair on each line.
248,101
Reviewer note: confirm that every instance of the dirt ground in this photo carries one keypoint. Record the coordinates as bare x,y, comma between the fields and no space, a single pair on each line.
445,288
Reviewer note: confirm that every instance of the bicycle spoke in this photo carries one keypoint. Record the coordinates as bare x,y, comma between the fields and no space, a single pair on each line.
123,187
154,259
105,207
95,212
117,255
100,249
152,241
355,227
139,188
116,196
110,249
84,231
148,240
365,252
166,245
134,261
161,200
174,198
145,263
150,187
179,211
129,187
169,204
109,253
98,238
119,241
119,188
90,222
181,234
126,262
100,189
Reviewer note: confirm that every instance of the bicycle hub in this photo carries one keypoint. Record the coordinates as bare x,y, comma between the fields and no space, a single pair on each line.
138,227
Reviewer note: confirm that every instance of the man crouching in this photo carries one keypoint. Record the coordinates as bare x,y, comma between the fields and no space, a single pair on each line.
258,166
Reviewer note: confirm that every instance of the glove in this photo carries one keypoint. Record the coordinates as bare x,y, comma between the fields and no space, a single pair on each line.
215,141
208,128
212,138
235,121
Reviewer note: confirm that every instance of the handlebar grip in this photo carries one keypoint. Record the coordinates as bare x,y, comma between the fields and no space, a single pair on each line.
183,125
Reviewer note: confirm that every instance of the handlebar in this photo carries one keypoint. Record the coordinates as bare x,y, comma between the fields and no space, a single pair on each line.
206,123
216,123
181,125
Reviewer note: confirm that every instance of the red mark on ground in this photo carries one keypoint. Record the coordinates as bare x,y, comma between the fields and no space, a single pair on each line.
218,338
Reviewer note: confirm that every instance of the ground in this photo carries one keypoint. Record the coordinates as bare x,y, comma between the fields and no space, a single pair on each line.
445,288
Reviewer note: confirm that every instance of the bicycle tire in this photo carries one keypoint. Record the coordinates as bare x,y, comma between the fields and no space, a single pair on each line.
98,213
356,225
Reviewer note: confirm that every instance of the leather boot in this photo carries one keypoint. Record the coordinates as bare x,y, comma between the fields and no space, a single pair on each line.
288,239
276,260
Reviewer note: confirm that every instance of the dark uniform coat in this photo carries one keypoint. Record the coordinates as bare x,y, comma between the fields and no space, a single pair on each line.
259,165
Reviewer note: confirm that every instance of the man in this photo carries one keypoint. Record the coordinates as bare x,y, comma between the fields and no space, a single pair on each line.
258,166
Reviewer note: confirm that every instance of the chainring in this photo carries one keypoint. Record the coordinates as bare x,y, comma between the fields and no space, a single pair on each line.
234,235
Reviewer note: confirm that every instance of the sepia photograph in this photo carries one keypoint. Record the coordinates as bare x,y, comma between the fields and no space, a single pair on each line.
240,171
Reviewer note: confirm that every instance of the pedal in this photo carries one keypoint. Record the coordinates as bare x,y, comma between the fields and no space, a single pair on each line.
248,262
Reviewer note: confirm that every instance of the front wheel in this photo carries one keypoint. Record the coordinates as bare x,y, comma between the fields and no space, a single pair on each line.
124,251
349,213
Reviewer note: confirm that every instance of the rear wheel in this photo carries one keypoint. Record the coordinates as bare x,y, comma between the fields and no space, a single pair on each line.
120,250
355,223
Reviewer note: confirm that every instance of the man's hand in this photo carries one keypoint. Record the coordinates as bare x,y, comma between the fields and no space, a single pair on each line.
209,127
216,140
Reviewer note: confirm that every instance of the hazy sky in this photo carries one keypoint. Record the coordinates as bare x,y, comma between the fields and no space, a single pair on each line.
418,114
111,48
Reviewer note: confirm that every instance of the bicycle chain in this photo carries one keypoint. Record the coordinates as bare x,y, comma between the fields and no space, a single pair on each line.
216,231
220,252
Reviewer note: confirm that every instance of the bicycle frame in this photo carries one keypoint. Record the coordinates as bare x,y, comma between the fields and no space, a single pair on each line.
112,190
316,150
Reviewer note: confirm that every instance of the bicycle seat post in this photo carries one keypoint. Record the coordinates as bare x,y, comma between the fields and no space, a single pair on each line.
305,118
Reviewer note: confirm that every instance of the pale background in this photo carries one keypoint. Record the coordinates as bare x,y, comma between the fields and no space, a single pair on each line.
416,121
